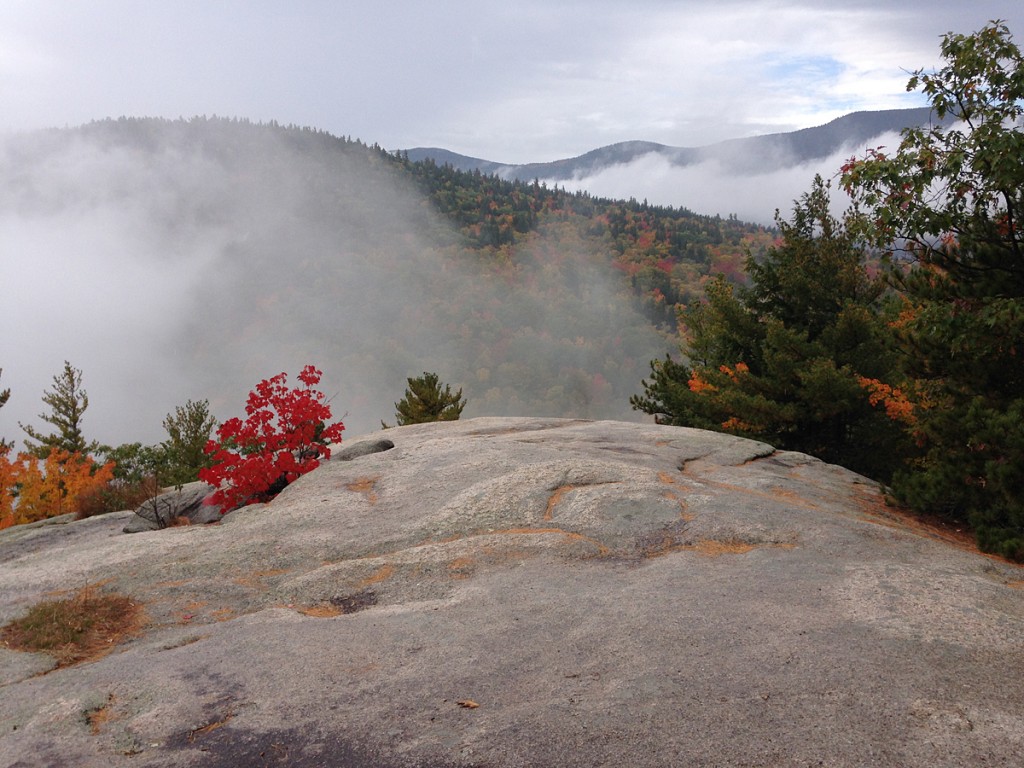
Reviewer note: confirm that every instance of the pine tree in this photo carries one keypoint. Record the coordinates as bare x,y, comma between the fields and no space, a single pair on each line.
948,203
787,359
426,401
68,402
5,395
188,430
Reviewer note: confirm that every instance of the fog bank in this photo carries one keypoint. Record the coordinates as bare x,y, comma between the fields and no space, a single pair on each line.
735,185
190,259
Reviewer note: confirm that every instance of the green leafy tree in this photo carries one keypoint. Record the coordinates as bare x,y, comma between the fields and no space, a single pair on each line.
948,204
425,400
788,360
188,430
135,463
68,402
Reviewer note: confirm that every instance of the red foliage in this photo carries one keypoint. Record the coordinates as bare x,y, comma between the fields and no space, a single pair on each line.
283,436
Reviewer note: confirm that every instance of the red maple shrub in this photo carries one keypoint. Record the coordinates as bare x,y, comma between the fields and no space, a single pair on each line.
284,434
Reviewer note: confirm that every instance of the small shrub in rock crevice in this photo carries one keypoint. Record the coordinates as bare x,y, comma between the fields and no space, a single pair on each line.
116,496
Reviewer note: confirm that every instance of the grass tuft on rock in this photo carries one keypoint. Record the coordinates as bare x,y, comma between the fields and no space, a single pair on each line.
83,627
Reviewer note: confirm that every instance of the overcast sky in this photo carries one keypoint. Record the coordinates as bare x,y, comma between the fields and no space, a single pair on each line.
512,82
523,81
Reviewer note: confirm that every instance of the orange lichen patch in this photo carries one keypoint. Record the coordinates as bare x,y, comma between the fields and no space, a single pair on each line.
716,547
555,499
461,567
667,478
795,498
713,548
381,574
777,494
791,498
601,548
366,486
684,514
1015,584
255,579
446,540
222,614
322,611
97,718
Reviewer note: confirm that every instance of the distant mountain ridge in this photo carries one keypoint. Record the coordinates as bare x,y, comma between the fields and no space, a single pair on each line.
771,151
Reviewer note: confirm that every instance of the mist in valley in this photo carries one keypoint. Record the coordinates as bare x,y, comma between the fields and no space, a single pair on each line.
731,180
190,259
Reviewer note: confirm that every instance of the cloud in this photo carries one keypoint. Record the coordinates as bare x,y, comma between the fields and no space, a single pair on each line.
515,83
717,187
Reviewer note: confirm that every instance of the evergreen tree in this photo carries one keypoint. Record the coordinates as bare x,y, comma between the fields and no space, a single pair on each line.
789,360
948,203
426,401
5,395
188,430
68,402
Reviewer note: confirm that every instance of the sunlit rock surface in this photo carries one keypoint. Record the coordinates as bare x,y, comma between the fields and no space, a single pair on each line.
531,592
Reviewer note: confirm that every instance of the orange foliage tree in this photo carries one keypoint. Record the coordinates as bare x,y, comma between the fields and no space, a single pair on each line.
32,489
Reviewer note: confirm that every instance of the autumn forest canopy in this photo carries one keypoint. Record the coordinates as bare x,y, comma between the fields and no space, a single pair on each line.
886,337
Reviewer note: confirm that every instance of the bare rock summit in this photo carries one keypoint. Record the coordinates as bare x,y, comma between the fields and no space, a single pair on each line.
530,592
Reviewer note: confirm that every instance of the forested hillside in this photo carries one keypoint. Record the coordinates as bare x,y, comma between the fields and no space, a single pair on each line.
913,375
278,246
187,259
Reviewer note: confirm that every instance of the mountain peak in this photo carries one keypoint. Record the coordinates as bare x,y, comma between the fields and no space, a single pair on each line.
776,150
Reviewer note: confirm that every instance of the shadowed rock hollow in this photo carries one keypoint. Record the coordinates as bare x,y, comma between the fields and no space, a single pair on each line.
520,592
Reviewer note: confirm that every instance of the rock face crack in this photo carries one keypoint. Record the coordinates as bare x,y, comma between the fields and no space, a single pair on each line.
759,457
560,492
691,459
731,458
